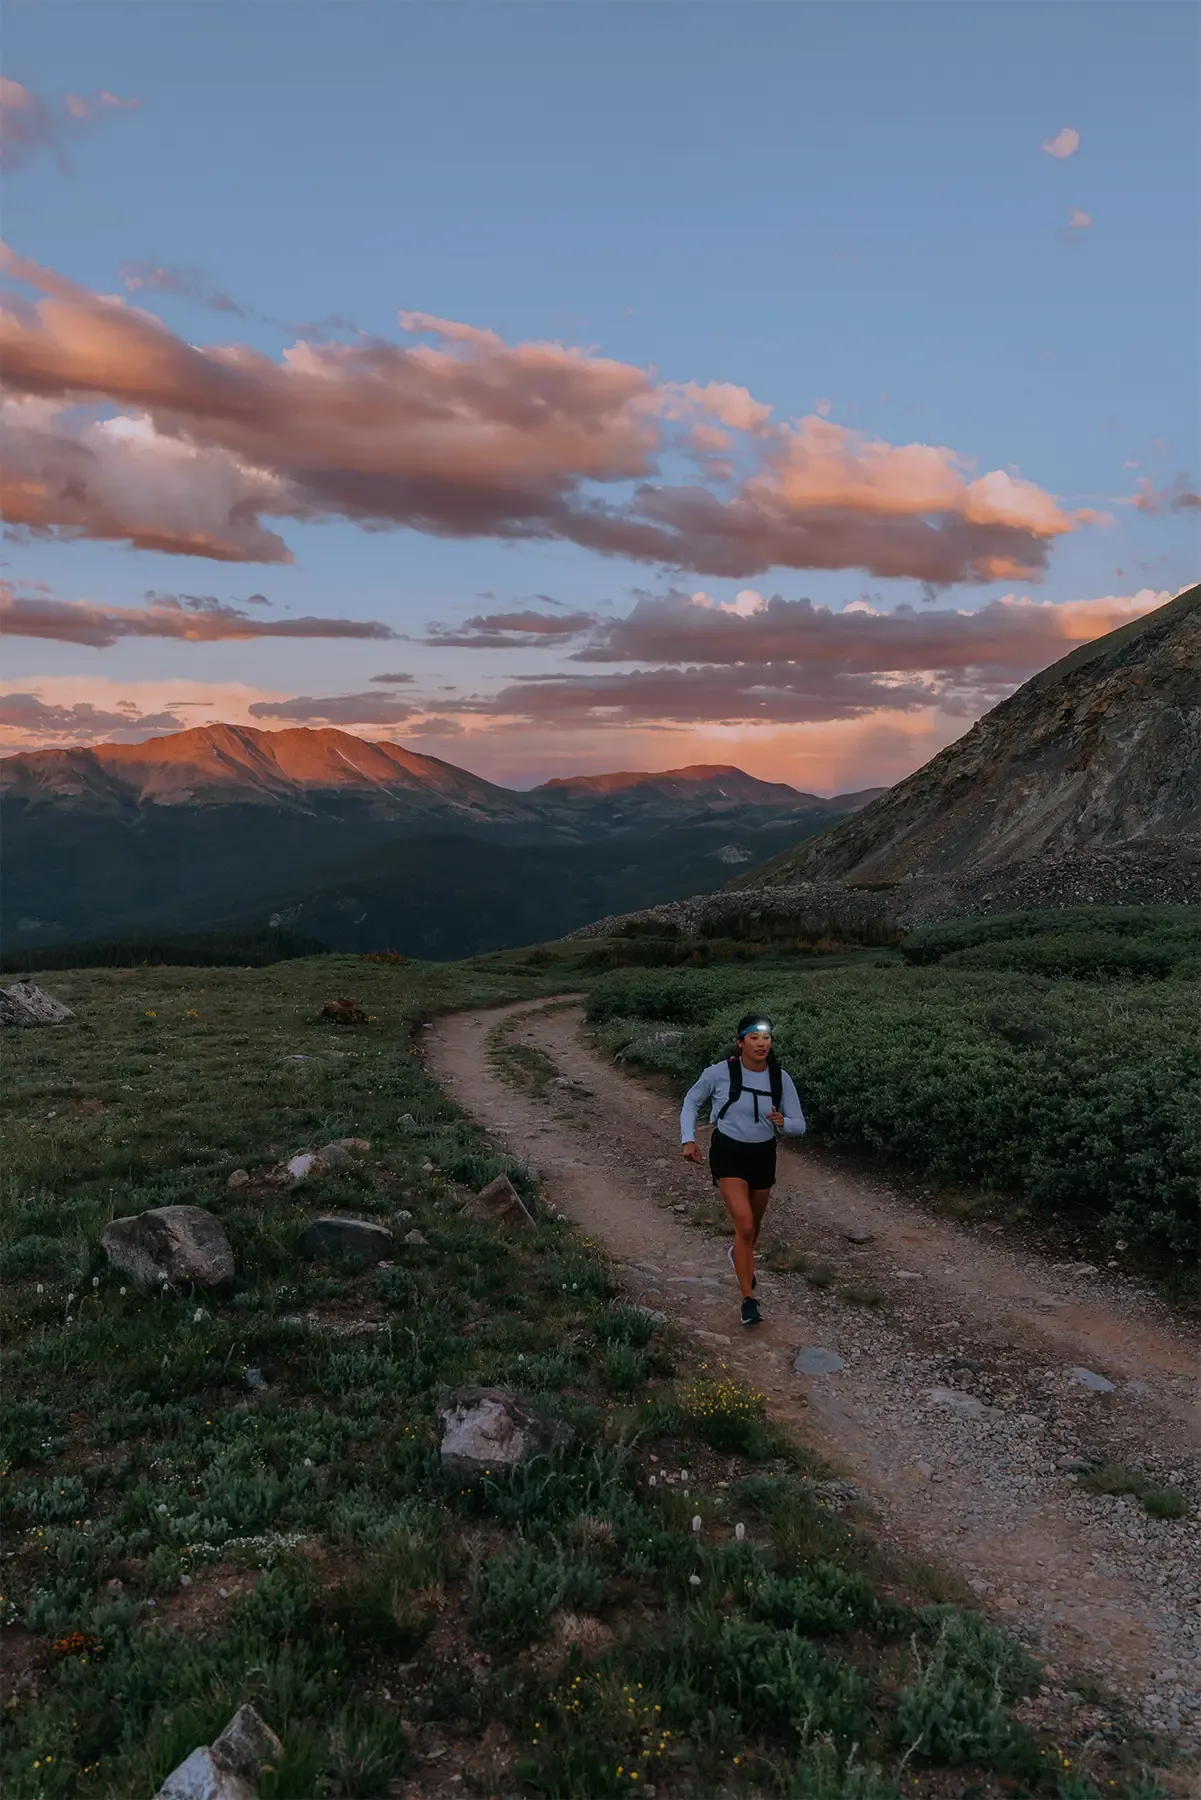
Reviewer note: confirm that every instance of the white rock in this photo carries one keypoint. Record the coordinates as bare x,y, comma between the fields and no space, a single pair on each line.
24,1003
966,1405
202,1777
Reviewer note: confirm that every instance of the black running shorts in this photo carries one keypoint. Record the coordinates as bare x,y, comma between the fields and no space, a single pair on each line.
753,1163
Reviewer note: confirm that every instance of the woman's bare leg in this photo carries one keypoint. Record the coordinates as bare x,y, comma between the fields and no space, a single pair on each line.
737,1198
760,1199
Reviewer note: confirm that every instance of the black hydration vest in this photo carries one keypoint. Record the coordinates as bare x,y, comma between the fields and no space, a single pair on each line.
775,1075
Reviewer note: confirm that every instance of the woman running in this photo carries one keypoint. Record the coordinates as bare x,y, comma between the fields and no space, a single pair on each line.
746,1115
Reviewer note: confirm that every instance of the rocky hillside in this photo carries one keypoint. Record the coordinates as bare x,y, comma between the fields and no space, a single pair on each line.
1099,754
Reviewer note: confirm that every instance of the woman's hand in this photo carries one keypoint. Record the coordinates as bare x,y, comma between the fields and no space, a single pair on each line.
775,1116
692,1154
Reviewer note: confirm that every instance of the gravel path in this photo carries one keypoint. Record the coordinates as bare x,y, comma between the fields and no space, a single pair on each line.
961,1403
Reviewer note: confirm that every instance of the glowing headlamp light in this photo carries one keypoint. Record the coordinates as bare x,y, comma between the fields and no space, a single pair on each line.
758,1025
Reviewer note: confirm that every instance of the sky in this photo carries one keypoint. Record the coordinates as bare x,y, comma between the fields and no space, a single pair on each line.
559,388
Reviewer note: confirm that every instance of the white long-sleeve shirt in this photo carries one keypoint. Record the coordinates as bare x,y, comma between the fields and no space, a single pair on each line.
747,1120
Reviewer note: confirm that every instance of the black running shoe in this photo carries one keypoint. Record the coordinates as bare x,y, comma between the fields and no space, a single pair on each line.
750,1311
730,1254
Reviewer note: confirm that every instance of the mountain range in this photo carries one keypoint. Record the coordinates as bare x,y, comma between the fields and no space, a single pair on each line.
363,845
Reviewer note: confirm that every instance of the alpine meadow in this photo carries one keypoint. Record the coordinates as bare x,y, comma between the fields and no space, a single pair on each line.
600,905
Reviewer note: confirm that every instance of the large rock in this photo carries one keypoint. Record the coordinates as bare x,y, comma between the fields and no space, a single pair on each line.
331,1236
502,1200
183,1245
202,1777
247,1744
229,1768
490,1431
24,1003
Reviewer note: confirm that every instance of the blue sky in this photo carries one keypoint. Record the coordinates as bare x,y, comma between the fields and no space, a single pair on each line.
842,209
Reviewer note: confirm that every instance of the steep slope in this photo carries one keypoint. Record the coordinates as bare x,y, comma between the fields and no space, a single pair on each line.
1099,753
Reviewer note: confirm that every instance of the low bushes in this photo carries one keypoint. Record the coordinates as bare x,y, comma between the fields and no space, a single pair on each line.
1081,1096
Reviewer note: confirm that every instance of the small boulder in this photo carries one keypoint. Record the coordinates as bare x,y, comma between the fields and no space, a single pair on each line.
858,1234
1088,1378
202,1777
239,1179
298,1168
247,1744
407,1120
416,1238
331,1236
344,1012
814,1359
965,1406
24,1003
359,1146
489,1431
182,1245
229,1768
502,1200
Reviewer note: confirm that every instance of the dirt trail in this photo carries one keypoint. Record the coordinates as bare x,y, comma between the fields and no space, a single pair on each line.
959,1408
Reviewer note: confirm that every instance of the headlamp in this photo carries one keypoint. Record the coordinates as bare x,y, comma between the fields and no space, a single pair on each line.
756,1025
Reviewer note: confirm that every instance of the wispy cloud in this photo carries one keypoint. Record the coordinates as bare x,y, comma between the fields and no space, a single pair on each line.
524,629
470,437
1178,496
31,124
337,709
191,617
1065,143
184,283
82,723
1079,221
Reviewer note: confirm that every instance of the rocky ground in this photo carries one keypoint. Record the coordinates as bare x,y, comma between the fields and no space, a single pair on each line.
1147,875
975,1392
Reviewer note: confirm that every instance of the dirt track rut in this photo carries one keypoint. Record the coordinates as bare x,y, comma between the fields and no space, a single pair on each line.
957,1411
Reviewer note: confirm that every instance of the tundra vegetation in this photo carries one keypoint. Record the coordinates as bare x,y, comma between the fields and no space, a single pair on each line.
1052,1058
226,1498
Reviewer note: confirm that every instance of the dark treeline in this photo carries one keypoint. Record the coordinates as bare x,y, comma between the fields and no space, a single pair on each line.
203,949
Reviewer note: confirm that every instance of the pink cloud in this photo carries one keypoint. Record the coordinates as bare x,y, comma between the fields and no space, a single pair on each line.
469,437
1178,496
82,723
1065,143
190,617
30,124
1079,221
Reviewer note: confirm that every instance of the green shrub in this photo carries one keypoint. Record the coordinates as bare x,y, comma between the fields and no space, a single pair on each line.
1082,1097
515,1595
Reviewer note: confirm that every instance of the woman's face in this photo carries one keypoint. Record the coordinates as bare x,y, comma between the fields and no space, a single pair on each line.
756,1045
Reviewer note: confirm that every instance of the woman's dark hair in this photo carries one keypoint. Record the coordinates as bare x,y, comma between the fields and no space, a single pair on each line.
752,1022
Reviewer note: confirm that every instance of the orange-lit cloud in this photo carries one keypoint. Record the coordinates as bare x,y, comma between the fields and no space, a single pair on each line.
470,437
840,715
30,123
1008,639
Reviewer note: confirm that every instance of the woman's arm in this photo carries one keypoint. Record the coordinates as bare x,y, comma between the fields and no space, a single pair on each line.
700,1091
790,1104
